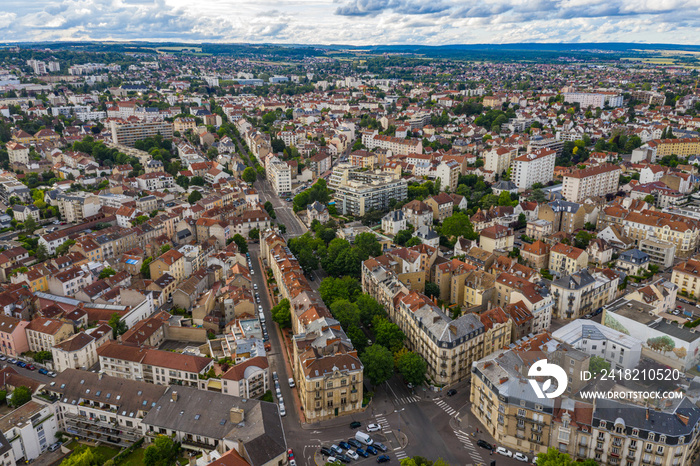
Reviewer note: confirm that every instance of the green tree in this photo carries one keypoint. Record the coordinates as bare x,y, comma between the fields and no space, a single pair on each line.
402,237
63,248
117,324
388,334
241,242
41,253
249,175
140,220
412,367
84,457
367,246
358,339
107,272
254,233
597,364
162,452
333,289
582,239
194,197
282,313
458,225
432,290
197,181
145,269
30,224
414,241
379,364
537,195
369,308
20,396
41,356
650,199
345,312
554,457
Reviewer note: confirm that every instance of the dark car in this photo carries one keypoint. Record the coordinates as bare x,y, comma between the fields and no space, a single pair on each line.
344,445
354,443
43,371
379,446
484,444
371,449
451,392
362,453
383,459
343,458
21,364
326,451
355,424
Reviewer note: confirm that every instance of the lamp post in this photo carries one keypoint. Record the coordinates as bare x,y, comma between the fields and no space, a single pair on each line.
398,411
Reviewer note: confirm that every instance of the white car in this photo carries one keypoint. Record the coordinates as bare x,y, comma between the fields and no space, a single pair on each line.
504,451
520,457
283,412
291,382
352,454
374,428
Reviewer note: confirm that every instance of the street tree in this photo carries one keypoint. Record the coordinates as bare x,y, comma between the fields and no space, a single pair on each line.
379,364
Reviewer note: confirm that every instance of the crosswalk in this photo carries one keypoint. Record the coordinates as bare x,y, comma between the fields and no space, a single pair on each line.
469,445
386,429
406,400
445,407
400,454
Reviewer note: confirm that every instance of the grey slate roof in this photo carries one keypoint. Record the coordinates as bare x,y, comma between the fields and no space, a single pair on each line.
635,256
575,281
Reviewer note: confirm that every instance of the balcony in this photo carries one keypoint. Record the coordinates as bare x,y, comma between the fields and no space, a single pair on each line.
631,455
92,429
201,445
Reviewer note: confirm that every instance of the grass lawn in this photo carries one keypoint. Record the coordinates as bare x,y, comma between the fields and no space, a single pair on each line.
103,451
134,459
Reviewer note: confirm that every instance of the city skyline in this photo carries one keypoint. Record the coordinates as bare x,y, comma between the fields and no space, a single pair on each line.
352,22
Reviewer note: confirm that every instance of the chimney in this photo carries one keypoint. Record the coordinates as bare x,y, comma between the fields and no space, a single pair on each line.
174,395
237,415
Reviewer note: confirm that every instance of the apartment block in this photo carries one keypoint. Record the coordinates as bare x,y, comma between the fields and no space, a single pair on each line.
567,260
583,292
128,133
534,167
357,192
279,174
581,184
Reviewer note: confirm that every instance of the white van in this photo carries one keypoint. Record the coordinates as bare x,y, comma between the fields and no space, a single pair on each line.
363,438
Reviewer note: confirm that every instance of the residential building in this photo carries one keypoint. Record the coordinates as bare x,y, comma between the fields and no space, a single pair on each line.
127,134
13,336
442,206
535,255
29,430
659,252
248,379
538,229
583,183
496,238
565,216
594,99
393,222
567,260
75,207
43,334
633,262
76,352
171,262
499,159
686,276
205,421
622,351
357,192
681,231
18,153
418,214
279,174
583,292
401,146
534,167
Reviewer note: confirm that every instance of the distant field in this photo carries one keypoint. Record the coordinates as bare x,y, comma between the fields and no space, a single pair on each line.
652,61
180,49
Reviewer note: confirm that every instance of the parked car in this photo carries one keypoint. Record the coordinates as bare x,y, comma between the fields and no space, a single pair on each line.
343,458
372,450
292,463
520,457
43,371
3,358
337,449
504,451
344,445
52,374
352,454
326,451
290,454
55,446
484,444
354,443
380,446
21,364
675,312
283,410
355,424
275,376
374,428
451,392
31,367
291,382
362,453
383,459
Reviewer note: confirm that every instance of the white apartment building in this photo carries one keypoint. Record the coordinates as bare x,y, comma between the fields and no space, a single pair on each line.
594,99
591,182
279,174
535,167
395,145
30,430
18,153
499,159
75,207
620,350
128,133
358,192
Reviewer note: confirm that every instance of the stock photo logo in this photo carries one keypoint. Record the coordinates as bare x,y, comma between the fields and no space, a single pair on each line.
544,369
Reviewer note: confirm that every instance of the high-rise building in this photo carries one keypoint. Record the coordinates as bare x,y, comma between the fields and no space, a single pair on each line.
535,167
128,133
591,182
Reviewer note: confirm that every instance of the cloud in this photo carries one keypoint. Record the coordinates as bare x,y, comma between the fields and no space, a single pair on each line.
357,22
374,7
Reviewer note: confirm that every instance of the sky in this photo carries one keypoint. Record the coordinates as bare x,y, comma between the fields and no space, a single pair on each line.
353,22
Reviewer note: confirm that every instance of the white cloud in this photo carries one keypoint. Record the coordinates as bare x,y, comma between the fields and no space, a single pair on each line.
359,22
